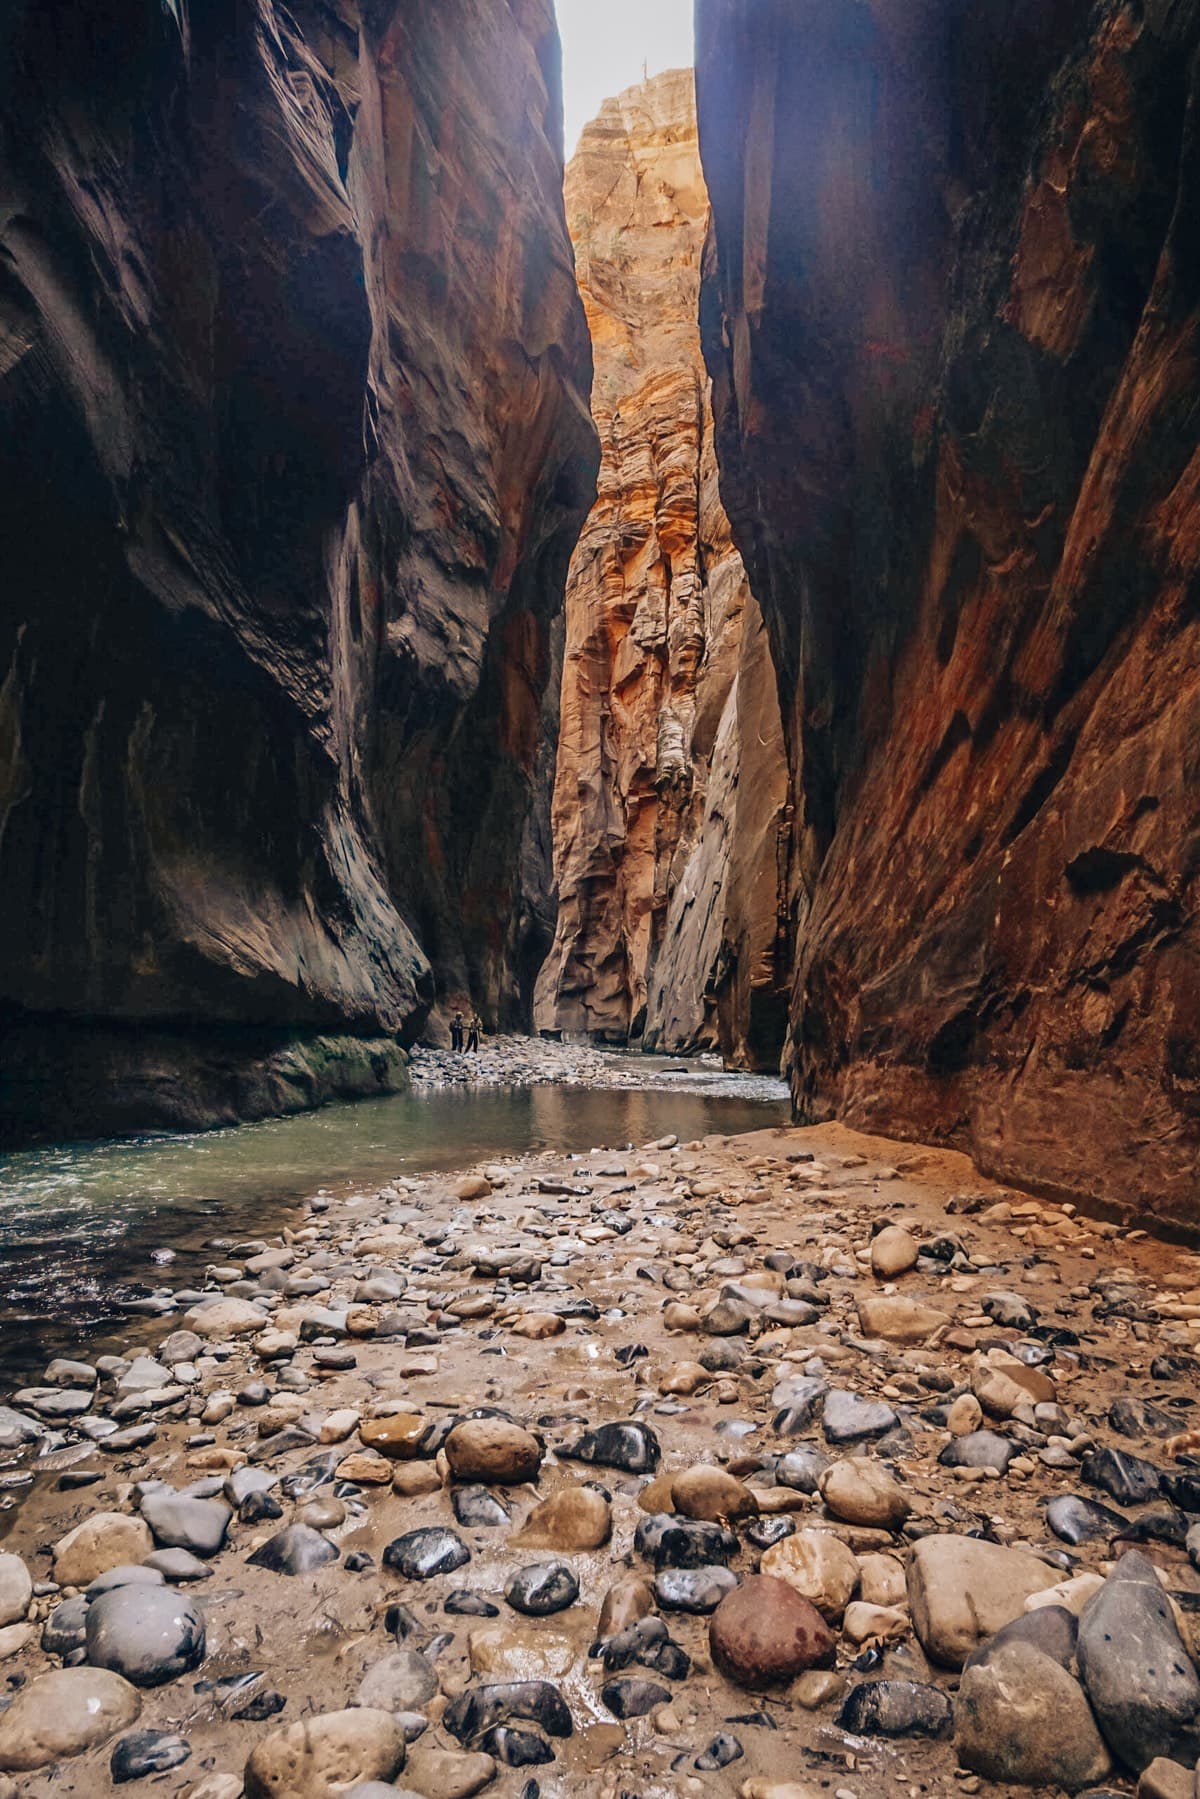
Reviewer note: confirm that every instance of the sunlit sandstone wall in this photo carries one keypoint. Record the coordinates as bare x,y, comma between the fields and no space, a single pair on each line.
669,816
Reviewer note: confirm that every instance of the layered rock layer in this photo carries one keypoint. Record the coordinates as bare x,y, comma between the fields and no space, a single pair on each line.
670,795
953,316
294,456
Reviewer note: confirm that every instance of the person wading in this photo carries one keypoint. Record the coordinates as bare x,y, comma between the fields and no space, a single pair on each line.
456,1032
473,1030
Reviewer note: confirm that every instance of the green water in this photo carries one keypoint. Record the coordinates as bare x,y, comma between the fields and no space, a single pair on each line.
88,1230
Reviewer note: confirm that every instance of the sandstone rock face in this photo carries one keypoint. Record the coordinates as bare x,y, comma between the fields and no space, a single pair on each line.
951,316
669,805
294,456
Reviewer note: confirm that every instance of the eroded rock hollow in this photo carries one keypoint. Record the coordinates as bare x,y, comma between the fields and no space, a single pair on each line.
294,453
951,314
670,807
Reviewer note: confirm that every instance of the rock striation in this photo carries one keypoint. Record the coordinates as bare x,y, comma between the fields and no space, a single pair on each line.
952,316
294,454
670,792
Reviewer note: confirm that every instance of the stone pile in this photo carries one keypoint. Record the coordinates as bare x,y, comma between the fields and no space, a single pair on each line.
675,1468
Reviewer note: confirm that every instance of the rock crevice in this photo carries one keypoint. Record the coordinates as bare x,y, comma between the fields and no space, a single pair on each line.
670,791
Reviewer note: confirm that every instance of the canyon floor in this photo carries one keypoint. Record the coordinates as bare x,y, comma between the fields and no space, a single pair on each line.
450,1478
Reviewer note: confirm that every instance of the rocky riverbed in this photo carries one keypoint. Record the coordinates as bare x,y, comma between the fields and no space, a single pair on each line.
516,1061
798,1465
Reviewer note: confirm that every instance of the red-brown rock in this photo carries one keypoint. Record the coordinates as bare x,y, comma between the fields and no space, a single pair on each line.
765,1632
293,454
952,317
671,782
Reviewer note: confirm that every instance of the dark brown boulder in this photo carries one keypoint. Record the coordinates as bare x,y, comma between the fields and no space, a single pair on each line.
765,1632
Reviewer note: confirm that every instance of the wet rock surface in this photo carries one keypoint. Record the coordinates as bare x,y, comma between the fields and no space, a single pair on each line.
338,732
700,1586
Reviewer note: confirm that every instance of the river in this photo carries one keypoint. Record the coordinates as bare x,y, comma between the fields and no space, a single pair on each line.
96,1233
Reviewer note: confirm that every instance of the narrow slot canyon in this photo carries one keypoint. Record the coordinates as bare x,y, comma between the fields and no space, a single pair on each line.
599,839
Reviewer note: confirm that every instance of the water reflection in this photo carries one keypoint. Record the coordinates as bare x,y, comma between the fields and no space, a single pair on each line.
87,1228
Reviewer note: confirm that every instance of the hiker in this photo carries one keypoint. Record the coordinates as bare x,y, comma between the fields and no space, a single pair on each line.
456,1033
473,1030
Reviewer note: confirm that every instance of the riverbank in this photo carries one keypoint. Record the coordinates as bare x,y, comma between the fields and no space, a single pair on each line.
267,1467
513,1061
99,1234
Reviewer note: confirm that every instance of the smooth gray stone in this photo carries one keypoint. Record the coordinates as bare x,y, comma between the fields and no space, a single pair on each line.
801,1468
695,1590
147,1634
402,1682
296,1550
1052,1629
847,1418
1074,1519
542,1589
979,1449
179,1522
127,1574
65,1630
178,1565
1139,1677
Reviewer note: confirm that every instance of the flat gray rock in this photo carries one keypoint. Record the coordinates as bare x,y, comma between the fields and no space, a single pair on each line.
1139,1677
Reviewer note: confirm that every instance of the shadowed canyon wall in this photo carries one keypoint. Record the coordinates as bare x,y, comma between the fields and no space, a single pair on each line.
952,312
295,452
669,816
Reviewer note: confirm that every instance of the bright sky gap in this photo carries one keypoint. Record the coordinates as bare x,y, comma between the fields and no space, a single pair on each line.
609,44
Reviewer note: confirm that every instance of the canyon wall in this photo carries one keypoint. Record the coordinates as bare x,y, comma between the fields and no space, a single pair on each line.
952,313
295,451
670,796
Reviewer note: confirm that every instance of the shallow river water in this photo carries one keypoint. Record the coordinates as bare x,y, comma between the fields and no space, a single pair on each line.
90,1232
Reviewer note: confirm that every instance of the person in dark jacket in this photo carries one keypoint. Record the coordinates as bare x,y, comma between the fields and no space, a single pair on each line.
456,1032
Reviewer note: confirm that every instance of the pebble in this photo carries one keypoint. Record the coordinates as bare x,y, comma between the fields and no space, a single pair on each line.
147,1634
893,1252
447,1773
979,1449
493,1451
16,1589
103,1541
404,1681
481,1708
179,1522
147,1752
861,1491
1139,1676
628,1445
422,1554
63,1713
696,1590
1075,1520
710,1494
896,1708
961,1590
764,1632
1019,1716
847,1418
326,1754
819,1566
298,1549
542,1589
576,1517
